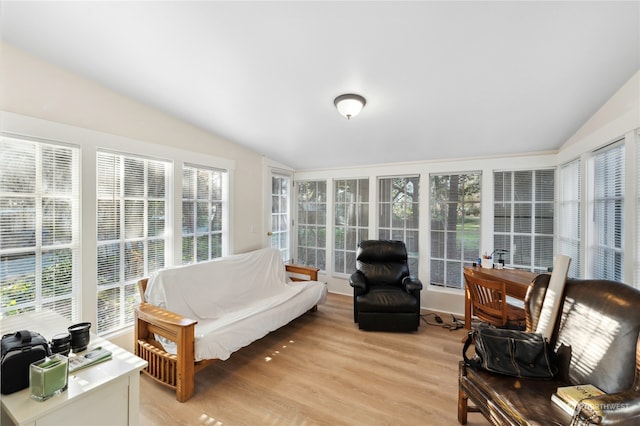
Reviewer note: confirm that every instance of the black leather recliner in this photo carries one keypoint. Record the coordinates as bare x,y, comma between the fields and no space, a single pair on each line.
385,296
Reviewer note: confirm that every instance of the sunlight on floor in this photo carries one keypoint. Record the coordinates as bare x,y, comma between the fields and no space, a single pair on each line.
209,421
276,353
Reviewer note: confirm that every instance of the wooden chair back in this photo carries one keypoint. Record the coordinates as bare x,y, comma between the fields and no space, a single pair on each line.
488,299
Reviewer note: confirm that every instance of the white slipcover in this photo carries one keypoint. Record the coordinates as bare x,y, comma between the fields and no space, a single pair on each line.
236,300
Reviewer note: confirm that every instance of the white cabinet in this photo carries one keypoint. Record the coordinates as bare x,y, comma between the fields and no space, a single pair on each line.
107,393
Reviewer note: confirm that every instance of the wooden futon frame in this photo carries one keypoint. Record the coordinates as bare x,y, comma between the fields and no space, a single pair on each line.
178,371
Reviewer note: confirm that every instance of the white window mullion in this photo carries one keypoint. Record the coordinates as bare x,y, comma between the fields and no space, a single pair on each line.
38,229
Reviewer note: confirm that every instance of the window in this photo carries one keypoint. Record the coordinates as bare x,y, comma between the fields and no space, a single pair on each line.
351,222
570,215
608,213
398,211
523,217
280,230
203,213
131,229
455,227
312,223
39,227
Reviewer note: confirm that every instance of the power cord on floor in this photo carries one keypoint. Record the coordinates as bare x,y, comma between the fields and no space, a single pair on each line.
438,321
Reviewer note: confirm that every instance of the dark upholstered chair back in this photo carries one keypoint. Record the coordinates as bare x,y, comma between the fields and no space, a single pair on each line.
596,333
382,262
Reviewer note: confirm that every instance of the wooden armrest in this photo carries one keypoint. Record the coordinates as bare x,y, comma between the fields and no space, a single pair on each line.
308,271
157,315
151,320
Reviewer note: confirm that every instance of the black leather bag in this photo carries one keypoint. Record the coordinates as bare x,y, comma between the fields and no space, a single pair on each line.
19,350
511,352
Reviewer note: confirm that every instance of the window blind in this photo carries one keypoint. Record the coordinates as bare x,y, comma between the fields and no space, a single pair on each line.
39,227
569,235
608,213
131,229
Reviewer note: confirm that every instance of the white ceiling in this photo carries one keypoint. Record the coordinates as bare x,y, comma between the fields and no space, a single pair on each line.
442,79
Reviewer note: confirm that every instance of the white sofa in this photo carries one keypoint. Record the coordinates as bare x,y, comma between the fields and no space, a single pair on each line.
195,314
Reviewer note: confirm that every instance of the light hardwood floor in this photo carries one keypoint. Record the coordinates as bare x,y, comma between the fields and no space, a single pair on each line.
321,370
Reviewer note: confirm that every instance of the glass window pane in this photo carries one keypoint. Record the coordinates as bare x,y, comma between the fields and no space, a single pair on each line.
57,221
17,223
134,177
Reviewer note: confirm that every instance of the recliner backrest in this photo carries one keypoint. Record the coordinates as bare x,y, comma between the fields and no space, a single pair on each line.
382,261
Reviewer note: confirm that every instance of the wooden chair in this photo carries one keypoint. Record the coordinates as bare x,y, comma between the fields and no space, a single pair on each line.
489,302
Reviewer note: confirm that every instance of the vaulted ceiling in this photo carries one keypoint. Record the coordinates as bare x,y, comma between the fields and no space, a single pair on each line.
442,79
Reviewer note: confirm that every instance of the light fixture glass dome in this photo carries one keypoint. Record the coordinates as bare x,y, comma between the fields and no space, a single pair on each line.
349,105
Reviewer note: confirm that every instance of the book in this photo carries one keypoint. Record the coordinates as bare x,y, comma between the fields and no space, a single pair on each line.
94,356
568,397
574,394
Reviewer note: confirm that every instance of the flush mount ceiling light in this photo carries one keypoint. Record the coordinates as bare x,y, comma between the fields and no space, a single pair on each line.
350,105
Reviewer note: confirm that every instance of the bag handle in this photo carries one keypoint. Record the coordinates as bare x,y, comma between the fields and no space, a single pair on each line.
24,336
467,344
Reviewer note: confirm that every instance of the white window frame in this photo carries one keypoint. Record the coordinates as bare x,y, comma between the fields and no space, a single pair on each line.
532,234
353,233
570,215
310,223
209,233
126,284
70,307
394,232
468,256
595,242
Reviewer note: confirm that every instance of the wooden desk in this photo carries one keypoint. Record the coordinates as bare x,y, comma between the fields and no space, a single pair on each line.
517,282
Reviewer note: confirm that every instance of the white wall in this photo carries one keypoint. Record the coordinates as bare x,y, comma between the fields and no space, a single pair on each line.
36,88
617,117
